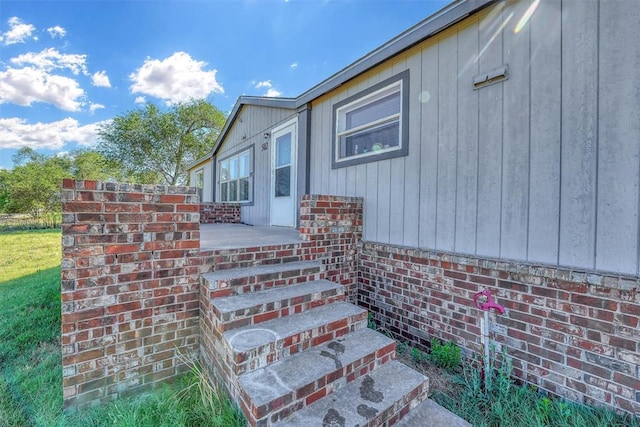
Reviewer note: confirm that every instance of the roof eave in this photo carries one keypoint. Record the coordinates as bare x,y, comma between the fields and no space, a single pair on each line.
425,29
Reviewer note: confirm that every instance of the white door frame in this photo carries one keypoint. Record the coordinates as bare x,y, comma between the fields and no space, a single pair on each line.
283,210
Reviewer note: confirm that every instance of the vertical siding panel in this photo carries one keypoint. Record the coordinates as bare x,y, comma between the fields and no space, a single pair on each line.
447,143
579,133
515,160
544,196
411,229
397,183
384,205
324,141
619,137
467,168
490,137
316,149
428,140
370,226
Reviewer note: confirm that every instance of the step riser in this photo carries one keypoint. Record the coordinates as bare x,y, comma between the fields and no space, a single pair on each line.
262,313
305,395
242,285
394,414
241,362
225,259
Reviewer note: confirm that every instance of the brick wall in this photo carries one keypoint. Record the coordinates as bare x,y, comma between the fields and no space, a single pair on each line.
219,213
573,333
129,287
334,225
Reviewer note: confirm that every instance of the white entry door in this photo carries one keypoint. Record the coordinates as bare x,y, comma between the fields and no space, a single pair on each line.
283,174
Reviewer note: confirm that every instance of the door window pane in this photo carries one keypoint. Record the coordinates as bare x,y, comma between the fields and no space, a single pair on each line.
283,182
283,150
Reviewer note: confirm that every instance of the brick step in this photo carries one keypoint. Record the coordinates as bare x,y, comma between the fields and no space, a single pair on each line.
256,307
251,347
246,257
378,399
250,279
275,391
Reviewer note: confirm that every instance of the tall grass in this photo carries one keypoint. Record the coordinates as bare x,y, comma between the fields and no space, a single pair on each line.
505,403
16,222
31,361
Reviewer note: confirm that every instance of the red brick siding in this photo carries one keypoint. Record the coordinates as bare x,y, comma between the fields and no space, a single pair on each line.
219,213
334,225
130,275
569,332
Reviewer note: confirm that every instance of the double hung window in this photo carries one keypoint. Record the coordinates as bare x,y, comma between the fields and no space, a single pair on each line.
236,177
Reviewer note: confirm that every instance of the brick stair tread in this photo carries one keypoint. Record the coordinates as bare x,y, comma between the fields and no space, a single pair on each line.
278,294
213,277
251,337
430,414
381,392
290,374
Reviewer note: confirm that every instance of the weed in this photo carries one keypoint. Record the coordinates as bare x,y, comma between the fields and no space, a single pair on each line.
446,355
402,348
419,356
371,322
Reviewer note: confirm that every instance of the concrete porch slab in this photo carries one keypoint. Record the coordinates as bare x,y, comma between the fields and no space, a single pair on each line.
230,236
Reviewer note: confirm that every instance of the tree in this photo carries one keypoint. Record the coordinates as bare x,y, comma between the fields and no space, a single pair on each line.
156,146
34,184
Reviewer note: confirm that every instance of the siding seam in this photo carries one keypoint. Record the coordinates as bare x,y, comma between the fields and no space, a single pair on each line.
561,134
597,141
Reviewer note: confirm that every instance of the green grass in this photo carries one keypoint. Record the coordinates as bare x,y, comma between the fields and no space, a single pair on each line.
31,361
505,403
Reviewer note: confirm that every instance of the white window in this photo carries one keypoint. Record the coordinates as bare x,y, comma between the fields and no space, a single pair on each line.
200,182
372,125
236,178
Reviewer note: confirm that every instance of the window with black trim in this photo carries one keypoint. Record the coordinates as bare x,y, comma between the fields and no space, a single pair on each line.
372,125
200,182
236,177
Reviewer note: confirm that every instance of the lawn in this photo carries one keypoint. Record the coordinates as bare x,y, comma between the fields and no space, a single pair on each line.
30,357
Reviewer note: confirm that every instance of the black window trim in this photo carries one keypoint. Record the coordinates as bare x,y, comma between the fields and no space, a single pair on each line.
404,123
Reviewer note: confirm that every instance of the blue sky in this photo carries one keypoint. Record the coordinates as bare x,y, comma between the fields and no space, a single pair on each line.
67,66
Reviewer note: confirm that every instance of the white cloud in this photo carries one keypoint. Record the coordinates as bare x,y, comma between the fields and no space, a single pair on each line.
294,65
100,79
50,59
266,83
93,107
56,31
27,85
18,32
177,78
140,100
273,93
17,133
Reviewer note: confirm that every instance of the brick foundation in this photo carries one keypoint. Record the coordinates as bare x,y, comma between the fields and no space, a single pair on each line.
130,275
333,224
575,334
219,213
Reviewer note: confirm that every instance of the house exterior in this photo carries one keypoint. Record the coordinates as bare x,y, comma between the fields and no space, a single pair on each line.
495,144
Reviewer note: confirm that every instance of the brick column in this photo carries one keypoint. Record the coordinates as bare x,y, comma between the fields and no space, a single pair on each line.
129,287
334,224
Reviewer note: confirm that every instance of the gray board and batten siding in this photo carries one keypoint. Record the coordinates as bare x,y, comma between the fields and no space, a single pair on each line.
542,167
248,131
